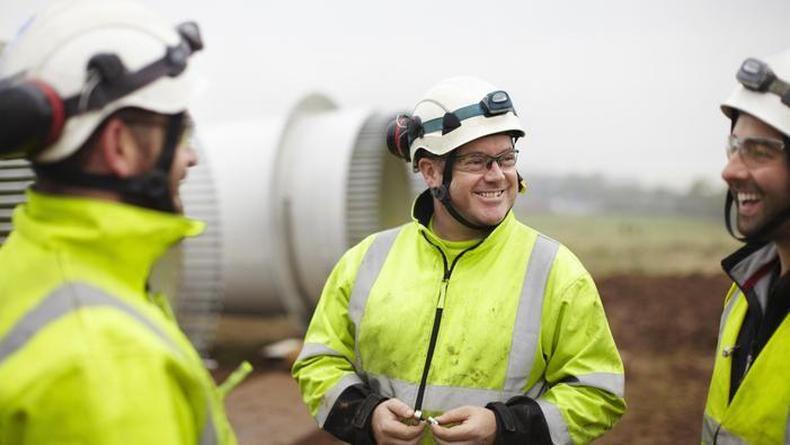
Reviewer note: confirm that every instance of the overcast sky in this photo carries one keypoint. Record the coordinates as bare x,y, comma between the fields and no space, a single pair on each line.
628,88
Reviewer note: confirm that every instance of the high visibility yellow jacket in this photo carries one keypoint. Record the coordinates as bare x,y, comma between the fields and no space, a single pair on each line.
514,322
87,356
759,410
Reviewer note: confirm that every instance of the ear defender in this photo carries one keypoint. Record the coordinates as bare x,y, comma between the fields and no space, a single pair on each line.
522,184
401,132
32,115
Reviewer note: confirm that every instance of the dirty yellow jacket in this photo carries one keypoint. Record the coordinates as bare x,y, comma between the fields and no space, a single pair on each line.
758,412
514,321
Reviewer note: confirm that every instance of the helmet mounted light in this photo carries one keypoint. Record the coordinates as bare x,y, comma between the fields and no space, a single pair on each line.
493,104
756,75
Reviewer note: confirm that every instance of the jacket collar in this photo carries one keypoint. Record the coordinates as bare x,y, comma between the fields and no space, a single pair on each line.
750,263
422,211
123,239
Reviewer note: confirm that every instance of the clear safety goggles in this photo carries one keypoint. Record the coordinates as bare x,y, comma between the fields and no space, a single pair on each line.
755,152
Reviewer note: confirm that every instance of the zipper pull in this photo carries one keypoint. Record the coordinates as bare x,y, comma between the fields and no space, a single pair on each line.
749,359
442,293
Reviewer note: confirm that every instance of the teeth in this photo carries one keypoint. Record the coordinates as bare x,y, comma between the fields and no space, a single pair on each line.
744,197
495,194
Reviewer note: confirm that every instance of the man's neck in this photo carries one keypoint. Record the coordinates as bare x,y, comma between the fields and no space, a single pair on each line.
448,228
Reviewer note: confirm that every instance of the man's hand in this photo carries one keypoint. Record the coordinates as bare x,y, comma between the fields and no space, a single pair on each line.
474,425
388,426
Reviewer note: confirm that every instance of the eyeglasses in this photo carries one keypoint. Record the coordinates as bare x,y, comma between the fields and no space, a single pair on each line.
479,162
755,152
187,126
756,75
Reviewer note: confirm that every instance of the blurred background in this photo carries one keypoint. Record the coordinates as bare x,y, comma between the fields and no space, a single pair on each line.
622,155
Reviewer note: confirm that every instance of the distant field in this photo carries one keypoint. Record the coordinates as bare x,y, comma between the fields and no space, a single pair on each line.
609,245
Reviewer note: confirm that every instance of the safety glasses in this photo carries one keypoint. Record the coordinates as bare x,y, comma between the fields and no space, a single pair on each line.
755,152
480,162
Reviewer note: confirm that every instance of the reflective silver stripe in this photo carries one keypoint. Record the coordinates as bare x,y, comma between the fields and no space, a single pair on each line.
714,433
709,427
724,437
314,350
727,309
526,331
330,397
437,398
723,320
368,271
75,296
209,435
538,389
558,429
607,381
68,298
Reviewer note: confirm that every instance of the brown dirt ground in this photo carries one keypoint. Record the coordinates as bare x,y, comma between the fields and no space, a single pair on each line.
665,328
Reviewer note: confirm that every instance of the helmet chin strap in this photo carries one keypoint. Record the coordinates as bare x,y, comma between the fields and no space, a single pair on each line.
150,189
763,234
442,193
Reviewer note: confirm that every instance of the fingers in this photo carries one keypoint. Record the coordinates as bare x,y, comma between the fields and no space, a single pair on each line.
456,415
388,426
453,434
399,408
472,425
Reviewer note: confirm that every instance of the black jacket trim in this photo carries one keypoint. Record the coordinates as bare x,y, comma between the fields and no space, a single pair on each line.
520,420
351,416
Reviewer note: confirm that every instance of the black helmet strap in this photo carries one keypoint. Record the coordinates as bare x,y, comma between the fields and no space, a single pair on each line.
150,189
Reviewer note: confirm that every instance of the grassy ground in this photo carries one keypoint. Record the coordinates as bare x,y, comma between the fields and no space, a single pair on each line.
638,244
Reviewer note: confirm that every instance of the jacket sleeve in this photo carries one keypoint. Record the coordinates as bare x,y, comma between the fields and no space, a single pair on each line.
582,389
337,397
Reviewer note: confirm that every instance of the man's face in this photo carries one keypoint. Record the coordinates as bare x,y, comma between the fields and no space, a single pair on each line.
760,186
484,197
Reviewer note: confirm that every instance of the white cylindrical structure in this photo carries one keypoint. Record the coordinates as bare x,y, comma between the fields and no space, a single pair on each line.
294,194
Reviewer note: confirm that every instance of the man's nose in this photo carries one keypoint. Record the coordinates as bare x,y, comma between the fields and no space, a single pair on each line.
734,169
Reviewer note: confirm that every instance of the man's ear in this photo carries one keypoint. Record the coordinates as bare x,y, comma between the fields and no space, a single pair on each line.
118,149
431,170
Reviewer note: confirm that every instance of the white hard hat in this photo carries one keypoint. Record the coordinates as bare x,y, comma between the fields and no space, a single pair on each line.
57,44
479,107
755,95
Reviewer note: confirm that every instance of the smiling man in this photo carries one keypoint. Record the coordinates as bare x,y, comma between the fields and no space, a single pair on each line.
749,396
463,326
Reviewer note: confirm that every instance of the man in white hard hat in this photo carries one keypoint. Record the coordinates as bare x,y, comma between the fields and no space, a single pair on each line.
749,395
463,326
95,95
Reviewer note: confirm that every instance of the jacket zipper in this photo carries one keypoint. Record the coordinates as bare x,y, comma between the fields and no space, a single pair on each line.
437,318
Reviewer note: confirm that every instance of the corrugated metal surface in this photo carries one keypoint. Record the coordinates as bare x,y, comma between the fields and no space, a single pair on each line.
379,190
199,294
364,175
15,178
